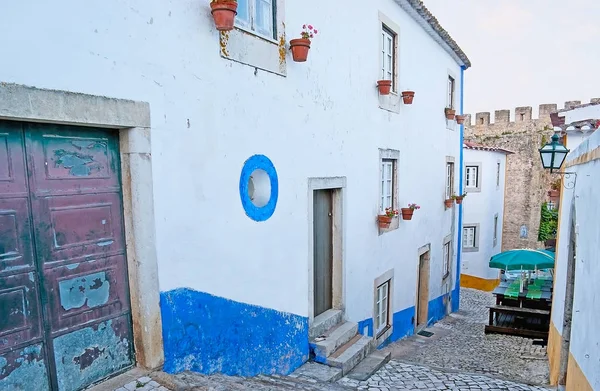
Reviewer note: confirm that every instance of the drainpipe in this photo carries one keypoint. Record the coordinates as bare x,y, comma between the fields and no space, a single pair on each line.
460,186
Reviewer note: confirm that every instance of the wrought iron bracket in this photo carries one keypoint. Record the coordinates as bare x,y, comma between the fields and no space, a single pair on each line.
569,179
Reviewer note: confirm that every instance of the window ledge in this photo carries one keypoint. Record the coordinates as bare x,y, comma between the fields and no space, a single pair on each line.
473,189
391,102
450,124
394,225
383,335
250,49
470,249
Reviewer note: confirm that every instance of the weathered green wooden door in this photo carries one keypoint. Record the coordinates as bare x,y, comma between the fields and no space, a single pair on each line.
63,280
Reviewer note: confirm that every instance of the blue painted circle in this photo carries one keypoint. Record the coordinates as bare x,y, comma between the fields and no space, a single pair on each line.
259,162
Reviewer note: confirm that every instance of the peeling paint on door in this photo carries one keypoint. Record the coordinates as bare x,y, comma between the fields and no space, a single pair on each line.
92,290
92,353
76,215
21,369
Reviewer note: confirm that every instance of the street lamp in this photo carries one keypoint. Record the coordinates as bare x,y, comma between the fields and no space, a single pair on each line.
553,154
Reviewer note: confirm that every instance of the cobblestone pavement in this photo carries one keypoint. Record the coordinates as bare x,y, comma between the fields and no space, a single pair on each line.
459,343
397,376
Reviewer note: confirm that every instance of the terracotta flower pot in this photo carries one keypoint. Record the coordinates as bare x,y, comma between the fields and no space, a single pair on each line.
450,113
224,13
384,86
459,200
384,221
460,119
448,203
407,213
299,48
553,193
407,97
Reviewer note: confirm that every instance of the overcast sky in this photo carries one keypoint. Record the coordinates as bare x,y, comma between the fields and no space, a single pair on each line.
525,52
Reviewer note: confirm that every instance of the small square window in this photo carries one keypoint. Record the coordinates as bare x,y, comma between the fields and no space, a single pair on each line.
447,258
450,97
497,174
472,176
382,307
388,55
495,230
449,180
387,184
257,16
471,238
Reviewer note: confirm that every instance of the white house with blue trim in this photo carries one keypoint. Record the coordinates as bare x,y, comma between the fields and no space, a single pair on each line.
250,184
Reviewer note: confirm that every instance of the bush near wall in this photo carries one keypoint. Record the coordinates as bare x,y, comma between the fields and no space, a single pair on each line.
548,223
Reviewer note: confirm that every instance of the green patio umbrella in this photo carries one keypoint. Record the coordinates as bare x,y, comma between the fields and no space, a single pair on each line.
523,259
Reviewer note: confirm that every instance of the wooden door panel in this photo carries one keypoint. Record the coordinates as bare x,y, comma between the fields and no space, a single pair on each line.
323,250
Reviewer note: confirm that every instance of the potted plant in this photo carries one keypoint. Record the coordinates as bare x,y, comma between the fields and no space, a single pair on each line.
384,86
460,119
300,46
385,219
407,213
459,198
224,12
449,202
450,112
407,97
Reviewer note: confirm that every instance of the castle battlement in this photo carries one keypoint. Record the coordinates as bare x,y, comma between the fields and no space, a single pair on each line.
521,114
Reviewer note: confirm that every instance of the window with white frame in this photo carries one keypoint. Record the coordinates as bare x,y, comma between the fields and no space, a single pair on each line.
450,97
497,174
470,237
495,230
387,184
388,55
550,205
472,176
257,16
449,179
382,307
447,258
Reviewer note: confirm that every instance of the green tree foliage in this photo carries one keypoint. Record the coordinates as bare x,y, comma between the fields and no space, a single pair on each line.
548,223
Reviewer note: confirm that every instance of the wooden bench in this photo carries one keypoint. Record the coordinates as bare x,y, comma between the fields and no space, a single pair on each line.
518,312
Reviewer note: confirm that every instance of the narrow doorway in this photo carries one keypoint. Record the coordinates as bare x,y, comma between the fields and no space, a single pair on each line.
323,250
422,291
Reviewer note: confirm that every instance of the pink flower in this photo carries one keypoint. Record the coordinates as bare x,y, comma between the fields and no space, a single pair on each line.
310,27
303,26
315,31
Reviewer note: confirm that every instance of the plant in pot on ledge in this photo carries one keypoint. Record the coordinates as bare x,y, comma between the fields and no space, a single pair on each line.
407,213
385,219
460,119
300,46
384,87
459,198
450,113
224,12
449,201
407,97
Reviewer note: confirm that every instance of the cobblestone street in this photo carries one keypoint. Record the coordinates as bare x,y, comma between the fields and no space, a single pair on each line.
459,343
458,356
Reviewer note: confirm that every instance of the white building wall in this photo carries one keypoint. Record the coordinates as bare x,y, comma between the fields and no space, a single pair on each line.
584,343
210,114
480,207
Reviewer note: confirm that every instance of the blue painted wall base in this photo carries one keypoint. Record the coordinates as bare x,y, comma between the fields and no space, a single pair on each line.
209,334
404,320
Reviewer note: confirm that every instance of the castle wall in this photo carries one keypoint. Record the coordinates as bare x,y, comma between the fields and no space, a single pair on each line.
527,182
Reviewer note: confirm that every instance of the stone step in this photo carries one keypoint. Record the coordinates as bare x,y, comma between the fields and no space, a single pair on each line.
324,322
350,354
334,338
371,364
317,372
